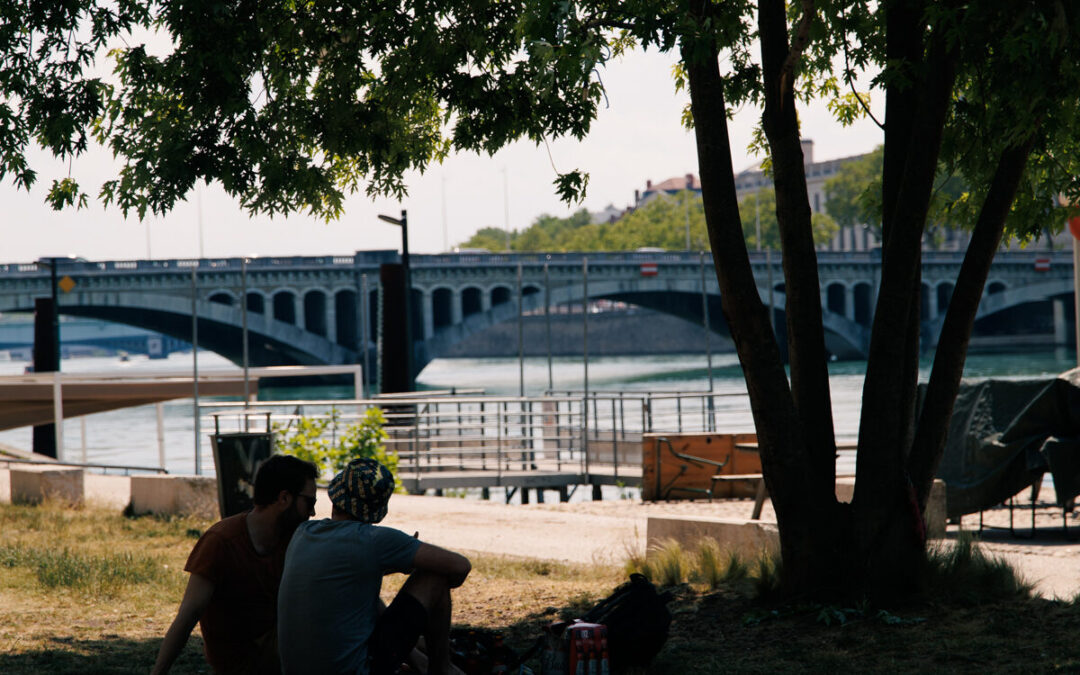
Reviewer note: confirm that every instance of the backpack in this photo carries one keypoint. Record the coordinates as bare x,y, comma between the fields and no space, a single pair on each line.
628,629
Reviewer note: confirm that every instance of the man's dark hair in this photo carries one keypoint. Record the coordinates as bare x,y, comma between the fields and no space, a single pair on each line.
282,472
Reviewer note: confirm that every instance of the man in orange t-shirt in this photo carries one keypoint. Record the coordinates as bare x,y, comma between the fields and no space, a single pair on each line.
235,571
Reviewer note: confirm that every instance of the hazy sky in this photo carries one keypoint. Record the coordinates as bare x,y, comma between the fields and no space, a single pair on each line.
635,138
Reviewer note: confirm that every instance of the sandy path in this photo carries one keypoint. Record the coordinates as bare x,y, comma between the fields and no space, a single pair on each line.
604,532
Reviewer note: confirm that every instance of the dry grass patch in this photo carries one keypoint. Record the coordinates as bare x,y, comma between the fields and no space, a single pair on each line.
88,590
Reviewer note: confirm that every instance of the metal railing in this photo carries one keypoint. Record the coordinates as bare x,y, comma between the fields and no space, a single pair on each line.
372,259
105,468
557,432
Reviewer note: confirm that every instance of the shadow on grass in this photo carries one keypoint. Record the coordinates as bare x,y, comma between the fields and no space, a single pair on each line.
107,655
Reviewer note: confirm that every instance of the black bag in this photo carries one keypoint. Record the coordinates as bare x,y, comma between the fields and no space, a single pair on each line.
637,620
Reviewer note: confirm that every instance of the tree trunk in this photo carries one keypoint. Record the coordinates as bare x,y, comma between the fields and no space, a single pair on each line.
875,546
888,527
809,518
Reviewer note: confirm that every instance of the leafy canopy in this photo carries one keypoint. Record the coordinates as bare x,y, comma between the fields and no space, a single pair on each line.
291,106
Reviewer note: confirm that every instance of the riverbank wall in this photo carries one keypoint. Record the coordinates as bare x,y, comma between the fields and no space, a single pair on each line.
641,332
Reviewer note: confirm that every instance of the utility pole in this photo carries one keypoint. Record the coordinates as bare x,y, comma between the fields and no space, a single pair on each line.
406,302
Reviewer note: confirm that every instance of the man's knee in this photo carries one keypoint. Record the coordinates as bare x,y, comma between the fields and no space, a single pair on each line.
430,589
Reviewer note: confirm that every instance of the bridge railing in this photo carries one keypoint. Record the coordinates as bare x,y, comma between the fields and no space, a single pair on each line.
368,259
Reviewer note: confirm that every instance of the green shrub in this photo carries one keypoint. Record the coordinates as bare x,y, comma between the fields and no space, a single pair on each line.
307,439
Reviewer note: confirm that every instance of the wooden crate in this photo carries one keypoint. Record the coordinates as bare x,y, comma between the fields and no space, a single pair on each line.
713,446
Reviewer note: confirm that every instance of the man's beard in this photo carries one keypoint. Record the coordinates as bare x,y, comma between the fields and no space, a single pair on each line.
287,522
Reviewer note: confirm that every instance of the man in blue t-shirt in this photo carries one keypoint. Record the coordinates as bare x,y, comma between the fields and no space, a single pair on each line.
330,618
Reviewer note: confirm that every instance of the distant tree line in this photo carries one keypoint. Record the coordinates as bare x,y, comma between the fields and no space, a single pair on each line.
660,223
852,199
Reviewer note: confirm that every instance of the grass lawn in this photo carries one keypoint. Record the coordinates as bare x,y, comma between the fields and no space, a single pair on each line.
85,591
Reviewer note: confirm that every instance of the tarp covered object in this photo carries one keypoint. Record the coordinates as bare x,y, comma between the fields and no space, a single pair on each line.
1005,435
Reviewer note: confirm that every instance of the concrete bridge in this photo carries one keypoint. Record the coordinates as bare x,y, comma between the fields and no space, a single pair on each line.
88,334
319,310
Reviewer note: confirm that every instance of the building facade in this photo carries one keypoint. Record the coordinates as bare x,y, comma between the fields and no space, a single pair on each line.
858,238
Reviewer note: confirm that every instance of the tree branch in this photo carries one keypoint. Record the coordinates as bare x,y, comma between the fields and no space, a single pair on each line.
798,45
887,419
929,443
806,338
609,23
851,82
780,435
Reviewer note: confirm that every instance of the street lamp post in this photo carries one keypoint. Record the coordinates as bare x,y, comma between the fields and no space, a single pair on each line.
403,223
48,439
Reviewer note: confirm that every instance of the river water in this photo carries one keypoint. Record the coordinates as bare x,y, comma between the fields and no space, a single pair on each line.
129,436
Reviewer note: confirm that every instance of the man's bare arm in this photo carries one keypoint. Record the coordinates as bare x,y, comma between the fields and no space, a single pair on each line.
196,598
454,566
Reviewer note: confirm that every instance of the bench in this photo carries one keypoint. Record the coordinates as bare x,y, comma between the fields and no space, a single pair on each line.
760,495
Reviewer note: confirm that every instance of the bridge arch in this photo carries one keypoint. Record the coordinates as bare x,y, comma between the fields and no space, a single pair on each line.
995,287
271,342
256,302
442,307
836,298
1005,299
472,301
223,298
680,297
285,306
500,295
345,310
315,311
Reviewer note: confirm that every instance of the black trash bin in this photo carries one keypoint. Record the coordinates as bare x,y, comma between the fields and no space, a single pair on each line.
237,457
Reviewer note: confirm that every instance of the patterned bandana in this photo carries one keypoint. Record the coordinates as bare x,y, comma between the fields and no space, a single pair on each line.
362,490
